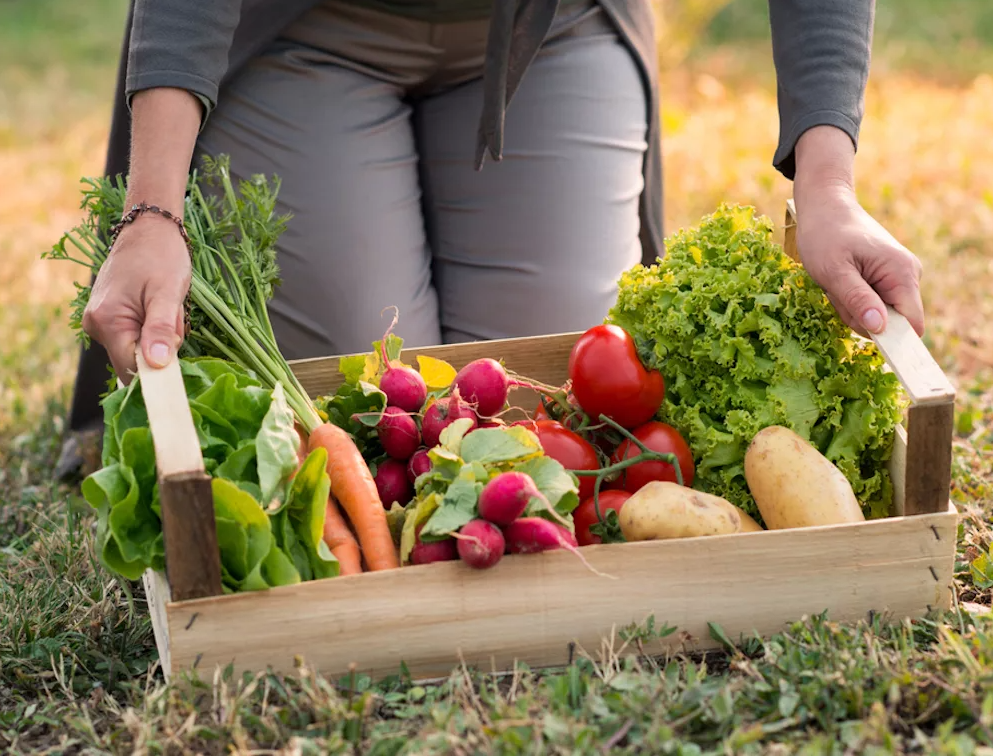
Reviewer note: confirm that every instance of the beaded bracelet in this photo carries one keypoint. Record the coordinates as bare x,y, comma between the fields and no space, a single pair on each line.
132,215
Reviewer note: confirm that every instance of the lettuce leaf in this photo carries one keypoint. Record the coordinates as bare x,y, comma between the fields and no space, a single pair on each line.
269,528
745,339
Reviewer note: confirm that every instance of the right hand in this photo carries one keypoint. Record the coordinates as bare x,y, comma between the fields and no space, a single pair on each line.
138,295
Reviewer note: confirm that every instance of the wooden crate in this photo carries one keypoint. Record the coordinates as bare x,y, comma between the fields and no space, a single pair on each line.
525,609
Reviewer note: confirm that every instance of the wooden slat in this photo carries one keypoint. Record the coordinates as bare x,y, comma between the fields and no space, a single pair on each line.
931,418
525,608
193,562
157,596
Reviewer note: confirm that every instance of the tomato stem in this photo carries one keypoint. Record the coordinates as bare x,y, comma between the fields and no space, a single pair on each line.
646,455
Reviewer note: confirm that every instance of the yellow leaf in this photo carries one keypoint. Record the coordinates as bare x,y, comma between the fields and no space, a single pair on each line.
437,373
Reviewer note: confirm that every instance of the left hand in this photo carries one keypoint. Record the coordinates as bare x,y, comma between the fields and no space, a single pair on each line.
857,262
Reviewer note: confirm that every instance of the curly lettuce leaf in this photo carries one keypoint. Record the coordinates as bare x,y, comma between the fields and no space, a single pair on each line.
745,339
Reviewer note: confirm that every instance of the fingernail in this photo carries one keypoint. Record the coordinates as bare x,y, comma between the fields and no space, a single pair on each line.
872,321
159,353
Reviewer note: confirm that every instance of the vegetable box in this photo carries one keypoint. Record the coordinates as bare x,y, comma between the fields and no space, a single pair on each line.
436,616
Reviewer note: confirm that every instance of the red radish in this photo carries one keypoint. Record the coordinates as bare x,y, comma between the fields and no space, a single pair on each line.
480,544
443,413
505,497
428,552
419,464
404,388
484,383
392,484
398,433
530,535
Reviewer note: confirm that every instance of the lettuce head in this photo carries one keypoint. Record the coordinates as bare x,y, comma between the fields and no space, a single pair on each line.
745,339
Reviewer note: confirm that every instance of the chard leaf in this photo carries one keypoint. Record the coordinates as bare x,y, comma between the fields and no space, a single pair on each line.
277,443
244,533
240,466
299,526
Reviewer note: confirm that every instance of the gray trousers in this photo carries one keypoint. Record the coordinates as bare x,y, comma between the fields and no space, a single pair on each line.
370,121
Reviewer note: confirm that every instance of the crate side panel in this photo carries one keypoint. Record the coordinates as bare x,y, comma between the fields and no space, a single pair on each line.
526,608
541,358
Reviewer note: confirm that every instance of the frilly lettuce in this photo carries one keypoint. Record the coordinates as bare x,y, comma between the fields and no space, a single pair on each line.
745,339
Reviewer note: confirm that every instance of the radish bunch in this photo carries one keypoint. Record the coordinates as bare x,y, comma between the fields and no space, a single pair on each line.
501,527
408,429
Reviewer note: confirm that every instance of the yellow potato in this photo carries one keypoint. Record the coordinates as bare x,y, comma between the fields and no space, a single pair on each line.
794,485
662,509
748,525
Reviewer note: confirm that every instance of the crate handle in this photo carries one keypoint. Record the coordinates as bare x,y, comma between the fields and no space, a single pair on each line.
931,416
192,557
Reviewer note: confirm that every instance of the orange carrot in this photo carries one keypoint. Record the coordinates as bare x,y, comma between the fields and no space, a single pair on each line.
352,485
341,541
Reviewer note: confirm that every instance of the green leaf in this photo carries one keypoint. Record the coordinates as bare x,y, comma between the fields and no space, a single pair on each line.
241,407
357,409
492,446
557,484
353,368
457,507
277,443
417,514
244,535
129,537
240,466
299,526
452,435
981,569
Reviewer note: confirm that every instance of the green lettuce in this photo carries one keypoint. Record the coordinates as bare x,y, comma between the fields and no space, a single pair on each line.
745,339
269,521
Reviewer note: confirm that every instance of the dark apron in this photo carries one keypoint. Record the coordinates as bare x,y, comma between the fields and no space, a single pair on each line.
261,22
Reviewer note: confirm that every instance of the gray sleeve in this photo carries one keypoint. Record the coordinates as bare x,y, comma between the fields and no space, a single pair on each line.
176,43
821,50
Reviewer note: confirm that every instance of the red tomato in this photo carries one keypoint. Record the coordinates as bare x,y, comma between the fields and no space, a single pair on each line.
570,449
585,514
609,378
658,437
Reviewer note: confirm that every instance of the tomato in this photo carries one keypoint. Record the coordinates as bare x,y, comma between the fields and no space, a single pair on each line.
609,378
658,437
570,449
585,514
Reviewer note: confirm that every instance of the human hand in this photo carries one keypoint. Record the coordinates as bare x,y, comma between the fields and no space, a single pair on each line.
138,295
857,262
860,266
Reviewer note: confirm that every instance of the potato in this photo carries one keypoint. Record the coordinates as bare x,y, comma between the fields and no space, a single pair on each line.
662,509
794,485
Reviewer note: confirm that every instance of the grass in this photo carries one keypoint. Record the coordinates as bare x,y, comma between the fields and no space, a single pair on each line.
77,662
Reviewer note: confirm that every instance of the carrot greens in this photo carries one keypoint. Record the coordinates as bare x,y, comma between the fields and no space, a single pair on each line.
233,230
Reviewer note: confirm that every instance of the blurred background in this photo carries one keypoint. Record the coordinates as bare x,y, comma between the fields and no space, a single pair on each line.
924,169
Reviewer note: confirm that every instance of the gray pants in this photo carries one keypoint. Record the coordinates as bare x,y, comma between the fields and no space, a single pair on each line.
370,122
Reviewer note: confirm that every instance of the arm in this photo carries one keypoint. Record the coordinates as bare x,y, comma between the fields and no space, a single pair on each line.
821,49
177,57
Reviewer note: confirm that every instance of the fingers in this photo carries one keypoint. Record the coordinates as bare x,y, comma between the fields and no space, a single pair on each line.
160,336
117,331
856,298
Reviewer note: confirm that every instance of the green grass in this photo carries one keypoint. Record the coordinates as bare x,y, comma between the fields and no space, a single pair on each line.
78,672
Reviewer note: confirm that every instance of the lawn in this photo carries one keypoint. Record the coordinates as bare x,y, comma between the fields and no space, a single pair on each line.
77,660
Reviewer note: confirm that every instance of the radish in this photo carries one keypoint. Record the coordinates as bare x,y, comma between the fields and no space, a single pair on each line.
484,383
480,544
443,413
419,464
530,535
398,433
404,388
428,552
505,497
392,484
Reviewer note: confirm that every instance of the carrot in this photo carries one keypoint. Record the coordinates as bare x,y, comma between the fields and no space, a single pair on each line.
353,486
341,541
